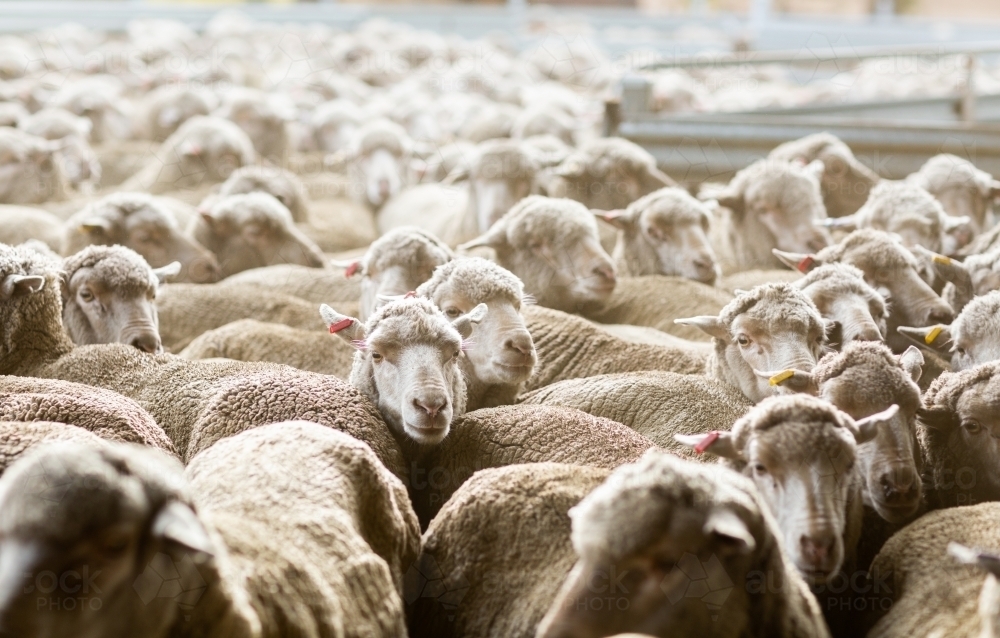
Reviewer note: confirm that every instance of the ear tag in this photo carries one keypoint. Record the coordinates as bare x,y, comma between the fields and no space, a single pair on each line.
340,325
781,377
932,335
410,294
352,269
706,442
941,259
805,265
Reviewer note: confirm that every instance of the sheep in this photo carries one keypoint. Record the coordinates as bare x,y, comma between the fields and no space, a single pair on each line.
527,587
253,230
766,330
407,363
800,451
927,592
103,413
845,182
768,205
17,437
656,404
544,119
108,295
164,109
283,185
552,245
376,156
98,98
887,264
978,274
189,310
312,284
499,174
333,123
19,224
570,347
664,233
962,189
292,551
80,163
196,403
855,310
203,150
955,427
607,174
972,339
262,117
909,211
30,170
11,113
146,225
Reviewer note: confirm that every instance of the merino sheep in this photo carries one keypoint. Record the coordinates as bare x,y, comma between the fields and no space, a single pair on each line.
955,427
801,451
204,150
282,184
333,123
164,109
98,98
552,245
106,414
607,174
887,264
30,170
962,189
19,224
262,116
196,403
926,591
144,224
978,274
79,161
407,363
17,437
760,333
855,310
317,285
325,564
845,181
377,155
909,211
108,296
768,205
972,339
253,230
664,233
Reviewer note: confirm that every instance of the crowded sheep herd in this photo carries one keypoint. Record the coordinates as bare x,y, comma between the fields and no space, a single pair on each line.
373,333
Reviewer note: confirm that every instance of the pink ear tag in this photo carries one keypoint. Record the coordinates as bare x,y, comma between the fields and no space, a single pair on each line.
412,293
340,325
805,265
706,442
352,269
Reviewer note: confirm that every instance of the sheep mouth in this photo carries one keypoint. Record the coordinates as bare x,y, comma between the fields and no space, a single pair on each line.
897,513
817,576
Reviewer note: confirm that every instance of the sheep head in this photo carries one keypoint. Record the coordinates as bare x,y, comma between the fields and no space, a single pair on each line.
854,310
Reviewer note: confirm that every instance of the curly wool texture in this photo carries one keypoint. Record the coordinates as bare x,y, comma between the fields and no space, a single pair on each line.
655,404
252,208
474,278
870,250
316,285
873,372
932,593
670,205
539,220
116,267
802,415
117,206
106,414
569,347
837,278
945,171
896,205
407,247
606,157
978,321
17,437
283,185
508,435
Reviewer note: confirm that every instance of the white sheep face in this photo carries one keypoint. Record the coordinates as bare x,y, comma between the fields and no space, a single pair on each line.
854,316
381,174
501,350
492,198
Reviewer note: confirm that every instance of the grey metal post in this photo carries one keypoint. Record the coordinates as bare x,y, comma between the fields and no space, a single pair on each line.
969,90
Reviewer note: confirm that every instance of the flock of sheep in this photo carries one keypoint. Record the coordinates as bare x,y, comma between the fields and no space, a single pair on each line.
436,359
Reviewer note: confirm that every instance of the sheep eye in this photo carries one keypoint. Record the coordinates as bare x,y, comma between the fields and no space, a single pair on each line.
743,340
759,468
960,352
453,312
376,357
457,352
972,427
86,295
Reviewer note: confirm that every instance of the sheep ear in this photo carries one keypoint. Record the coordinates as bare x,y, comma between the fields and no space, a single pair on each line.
347,328
170,270
570,169
465,323
95,226
457,174
731,200
177,523
937,338
815,168
715,442
20,285
655,179
846,223
730,531
987,561
708,324
867,428
801,262
620,219
951,224
190,149
952,271
495,237
796,380
994,188
912,361
351,266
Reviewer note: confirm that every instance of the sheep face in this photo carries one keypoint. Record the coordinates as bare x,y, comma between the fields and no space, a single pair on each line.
110,298
207,149
252,231
866,379
381,173
984,270
280,184
853,309
137,221
407,362
168,107
888,266
908,211
30,170
962,189
80,163
501,175
765,331
119,511
971,340
637,538
262,122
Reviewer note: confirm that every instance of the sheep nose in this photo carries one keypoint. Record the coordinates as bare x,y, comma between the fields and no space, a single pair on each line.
383,187
521,344
205,270
147,342
605,271
704,262
942,315
818,548
430,405
868,333
900,484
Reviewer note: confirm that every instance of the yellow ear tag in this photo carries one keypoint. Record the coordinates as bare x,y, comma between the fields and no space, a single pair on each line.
941,259
781,377
932,335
